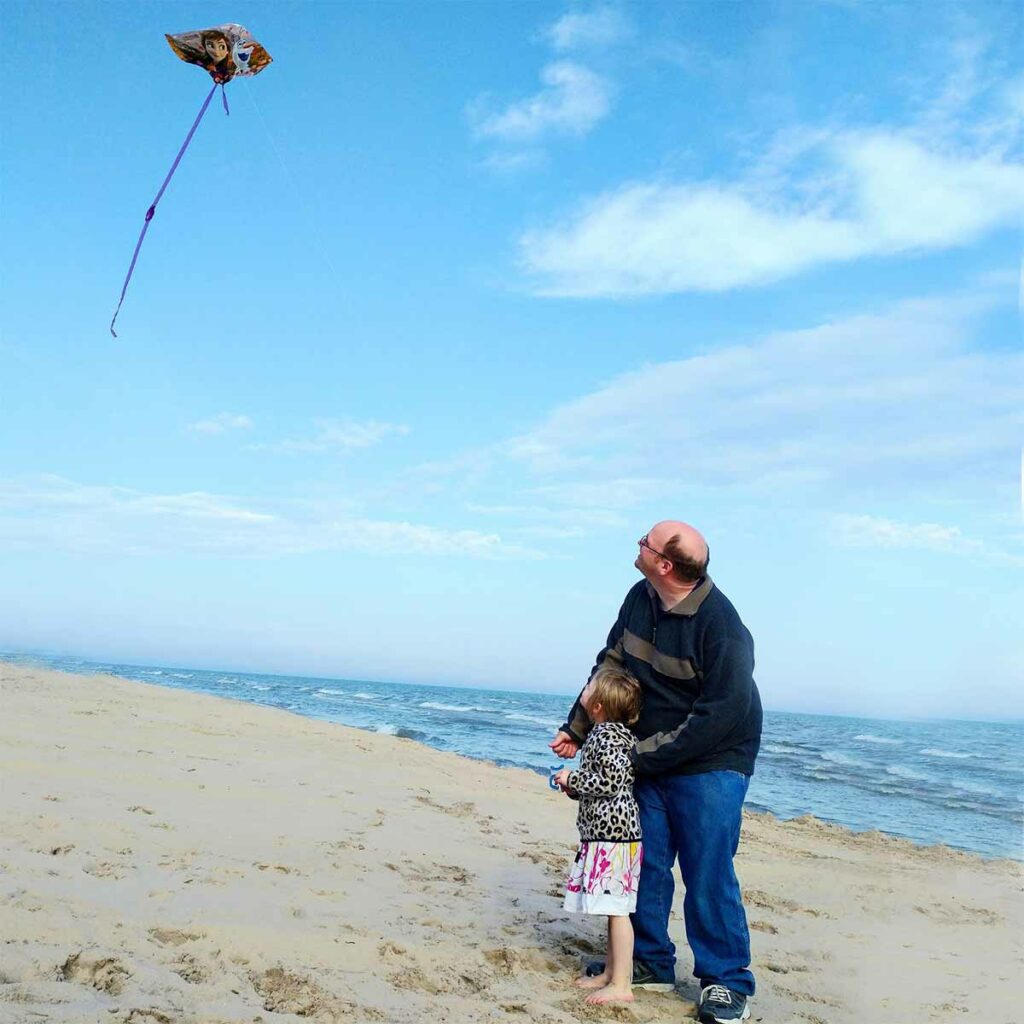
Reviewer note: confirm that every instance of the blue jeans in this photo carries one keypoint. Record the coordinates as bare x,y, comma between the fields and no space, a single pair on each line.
697,819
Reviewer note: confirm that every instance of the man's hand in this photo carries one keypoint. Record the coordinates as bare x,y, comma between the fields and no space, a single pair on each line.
564,745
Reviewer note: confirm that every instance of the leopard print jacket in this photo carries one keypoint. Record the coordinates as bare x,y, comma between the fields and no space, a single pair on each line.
604,785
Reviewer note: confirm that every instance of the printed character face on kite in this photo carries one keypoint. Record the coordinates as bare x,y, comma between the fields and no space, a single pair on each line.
216,46
241,55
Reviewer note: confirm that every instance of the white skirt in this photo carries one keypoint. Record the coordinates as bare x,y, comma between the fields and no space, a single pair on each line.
603,879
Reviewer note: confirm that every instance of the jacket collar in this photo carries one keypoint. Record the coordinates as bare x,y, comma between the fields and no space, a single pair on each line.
693,600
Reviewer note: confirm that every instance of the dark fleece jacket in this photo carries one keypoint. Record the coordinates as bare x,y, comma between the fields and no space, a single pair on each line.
695,664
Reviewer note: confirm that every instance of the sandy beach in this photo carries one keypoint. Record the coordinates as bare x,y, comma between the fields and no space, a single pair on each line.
173,857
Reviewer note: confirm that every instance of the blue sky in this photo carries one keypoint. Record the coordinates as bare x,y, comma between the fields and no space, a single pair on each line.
463,297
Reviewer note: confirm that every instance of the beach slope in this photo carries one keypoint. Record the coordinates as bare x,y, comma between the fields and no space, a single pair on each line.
173,857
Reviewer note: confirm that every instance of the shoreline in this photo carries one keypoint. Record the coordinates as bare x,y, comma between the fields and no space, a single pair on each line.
165,672
177,856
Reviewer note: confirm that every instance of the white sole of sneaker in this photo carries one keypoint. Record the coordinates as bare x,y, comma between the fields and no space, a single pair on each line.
655,986
719,1020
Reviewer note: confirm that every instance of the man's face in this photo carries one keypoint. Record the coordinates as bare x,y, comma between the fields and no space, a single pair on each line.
217,49
649,558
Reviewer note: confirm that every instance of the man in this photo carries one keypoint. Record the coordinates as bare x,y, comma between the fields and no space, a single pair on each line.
697,738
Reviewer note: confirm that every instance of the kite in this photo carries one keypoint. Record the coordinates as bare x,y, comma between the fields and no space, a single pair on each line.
226,52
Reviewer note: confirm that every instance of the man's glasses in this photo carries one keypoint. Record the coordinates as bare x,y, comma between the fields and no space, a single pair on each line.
642,542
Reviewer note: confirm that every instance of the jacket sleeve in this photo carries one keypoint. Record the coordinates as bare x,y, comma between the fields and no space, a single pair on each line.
726,690
600,777
578,724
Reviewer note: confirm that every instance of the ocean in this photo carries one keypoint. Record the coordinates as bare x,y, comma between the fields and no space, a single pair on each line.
951,782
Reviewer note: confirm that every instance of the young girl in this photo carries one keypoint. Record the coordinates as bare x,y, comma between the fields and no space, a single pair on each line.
604,875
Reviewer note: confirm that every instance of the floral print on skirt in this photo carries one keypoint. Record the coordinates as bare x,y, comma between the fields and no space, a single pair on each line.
603,879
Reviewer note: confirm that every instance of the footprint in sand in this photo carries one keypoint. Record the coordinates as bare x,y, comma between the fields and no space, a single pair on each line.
174,936
148,1016
513,960
414,980
612,1011
281,868
462,809
104,974
432,872
817,998
765,901
104,869
342,844
781,968
285,992
959,914
189,969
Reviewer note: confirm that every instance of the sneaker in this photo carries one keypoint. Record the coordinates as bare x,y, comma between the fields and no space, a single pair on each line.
643,976
720,1005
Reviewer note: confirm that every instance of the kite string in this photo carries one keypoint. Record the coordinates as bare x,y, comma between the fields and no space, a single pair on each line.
159,195
291,179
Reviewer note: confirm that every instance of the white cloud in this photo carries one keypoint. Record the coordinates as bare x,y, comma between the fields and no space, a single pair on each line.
220,423
901,400
514,161
52,512
884,193
876,532
600,27
337,436
865,531
573,100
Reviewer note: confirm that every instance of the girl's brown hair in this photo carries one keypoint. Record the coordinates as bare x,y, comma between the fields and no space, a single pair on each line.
618,693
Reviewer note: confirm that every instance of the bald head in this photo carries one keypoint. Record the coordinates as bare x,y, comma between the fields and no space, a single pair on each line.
684,546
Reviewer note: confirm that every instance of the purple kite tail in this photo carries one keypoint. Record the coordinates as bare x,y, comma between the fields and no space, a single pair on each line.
152,206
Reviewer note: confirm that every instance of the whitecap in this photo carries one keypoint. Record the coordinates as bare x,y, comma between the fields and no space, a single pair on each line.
182,675
387,728
544,722
362,696
868,737
973,787
842,759
437,706
906,773
937,752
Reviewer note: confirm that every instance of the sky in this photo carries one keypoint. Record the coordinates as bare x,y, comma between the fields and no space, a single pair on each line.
463,297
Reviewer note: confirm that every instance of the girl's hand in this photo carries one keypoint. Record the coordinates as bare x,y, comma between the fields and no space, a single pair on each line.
561,778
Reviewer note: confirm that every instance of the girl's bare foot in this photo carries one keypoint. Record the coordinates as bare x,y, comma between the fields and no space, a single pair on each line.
611,994
600,981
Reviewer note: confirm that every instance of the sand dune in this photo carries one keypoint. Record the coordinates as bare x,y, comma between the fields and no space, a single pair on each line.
171,857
